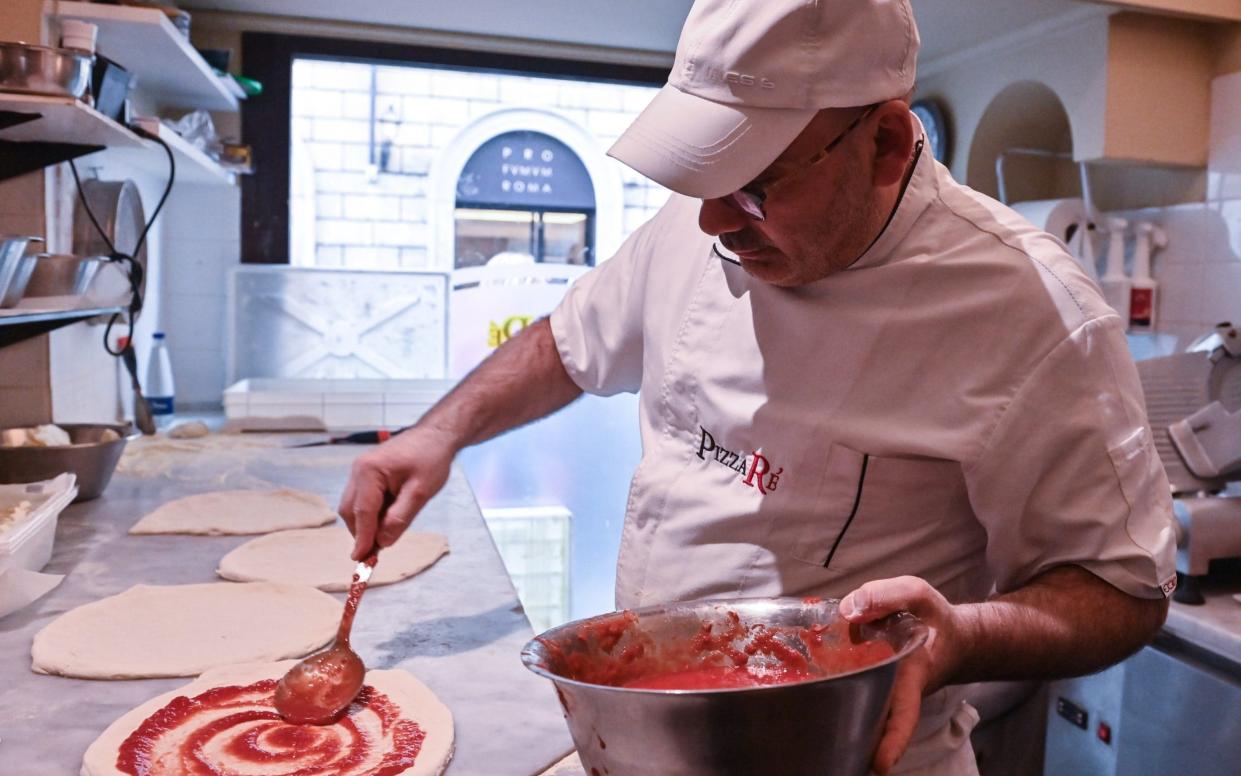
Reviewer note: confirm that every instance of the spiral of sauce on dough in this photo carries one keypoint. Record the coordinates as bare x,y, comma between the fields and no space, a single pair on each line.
235,731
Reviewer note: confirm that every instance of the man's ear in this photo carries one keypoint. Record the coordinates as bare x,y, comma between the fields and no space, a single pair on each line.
894,142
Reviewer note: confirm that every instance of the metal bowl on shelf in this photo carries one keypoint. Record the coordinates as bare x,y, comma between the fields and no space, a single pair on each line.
92,457
830,723
58,274
14,269
18,280
44,70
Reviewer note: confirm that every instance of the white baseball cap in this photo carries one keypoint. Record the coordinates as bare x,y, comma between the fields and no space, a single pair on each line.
749,75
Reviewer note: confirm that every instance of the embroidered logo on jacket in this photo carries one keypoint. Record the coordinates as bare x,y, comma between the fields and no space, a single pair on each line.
754,469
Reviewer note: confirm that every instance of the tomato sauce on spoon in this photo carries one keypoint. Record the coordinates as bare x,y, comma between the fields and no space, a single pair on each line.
319,688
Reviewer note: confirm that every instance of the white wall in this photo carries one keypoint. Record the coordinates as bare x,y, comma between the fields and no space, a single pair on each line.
1069,57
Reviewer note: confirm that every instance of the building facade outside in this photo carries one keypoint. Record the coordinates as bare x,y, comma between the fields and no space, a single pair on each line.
368,141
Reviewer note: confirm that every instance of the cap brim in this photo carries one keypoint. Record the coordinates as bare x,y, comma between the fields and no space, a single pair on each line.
706,149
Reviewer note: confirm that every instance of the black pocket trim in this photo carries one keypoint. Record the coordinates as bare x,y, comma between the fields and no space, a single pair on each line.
857,501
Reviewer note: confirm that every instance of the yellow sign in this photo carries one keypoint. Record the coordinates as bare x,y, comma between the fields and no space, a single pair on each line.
498,334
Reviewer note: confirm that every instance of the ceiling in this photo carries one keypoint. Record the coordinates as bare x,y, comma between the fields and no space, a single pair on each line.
947,26
950,26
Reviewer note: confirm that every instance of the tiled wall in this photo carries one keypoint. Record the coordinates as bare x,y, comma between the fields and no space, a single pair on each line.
364,219
204,228
1199,272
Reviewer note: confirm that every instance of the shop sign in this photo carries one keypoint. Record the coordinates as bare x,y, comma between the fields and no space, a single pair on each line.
525,170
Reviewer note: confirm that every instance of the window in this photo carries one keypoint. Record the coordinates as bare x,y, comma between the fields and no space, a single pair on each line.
366,138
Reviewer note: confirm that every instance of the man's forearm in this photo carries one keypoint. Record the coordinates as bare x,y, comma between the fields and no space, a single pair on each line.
522,381
1066,622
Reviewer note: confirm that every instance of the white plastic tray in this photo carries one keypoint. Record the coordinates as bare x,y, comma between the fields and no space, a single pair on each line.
28,542
337,404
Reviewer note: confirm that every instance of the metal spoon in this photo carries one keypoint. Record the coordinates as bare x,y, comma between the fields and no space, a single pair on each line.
319,688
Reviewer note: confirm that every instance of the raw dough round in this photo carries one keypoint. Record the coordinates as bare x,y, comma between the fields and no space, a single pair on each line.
237,512
319,557
193,429
182,630
415,700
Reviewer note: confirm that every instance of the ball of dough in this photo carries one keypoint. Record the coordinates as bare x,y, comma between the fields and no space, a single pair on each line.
193,429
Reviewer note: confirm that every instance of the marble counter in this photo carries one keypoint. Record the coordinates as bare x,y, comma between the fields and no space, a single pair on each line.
1215,625
458,626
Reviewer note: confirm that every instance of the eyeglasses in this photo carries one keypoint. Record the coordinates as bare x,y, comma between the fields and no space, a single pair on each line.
750,199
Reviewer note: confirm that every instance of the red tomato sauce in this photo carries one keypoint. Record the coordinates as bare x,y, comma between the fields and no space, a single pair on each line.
616,651
720,678
251,732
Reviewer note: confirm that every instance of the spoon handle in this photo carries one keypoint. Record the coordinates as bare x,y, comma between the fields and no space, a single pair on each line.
367,565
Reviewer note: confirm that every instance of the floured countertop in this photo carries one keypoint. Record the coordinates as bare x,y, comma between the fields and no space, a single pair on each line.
458,626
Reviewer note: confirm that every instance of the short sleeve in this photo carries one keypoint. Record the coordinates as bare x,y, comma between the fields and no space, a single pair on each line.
598,326
1070,475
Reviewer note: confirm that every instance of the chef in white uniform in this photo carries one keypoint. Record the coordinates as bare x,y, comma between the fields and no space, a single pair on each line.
858,378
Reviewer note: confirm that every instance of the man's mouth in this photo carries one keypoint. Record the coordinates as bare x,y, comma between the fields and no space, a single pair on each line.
743,247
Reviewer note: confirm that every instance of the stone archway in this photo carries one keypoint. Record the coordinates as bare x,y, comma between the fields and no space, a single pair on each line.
447,168
1026,114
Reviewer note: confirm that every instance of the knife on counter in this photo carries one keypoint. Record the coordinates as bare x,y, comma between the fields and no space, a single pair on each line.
356,438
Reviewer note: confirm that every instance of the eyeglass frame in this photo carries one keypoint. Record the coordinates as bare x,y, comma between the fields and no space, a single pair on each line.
749,199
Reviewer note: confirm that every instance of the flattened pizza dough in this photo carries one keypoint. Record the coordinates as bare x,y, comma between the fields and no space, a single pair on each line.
319,557
237,512
283,749
182,630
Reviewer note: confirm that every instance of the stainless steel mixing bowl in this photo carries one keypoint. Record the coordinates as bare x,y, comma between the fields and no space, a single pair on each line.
43,70
829,725
90,457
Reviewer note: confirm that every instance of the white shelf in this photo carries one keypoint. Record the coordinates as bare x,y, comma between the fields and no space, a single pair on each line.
63,120
66,120
17,325
144,42
193,166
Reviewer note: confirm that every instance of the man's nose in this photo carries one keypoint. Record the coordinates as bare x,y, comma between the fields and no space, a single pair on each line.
717,217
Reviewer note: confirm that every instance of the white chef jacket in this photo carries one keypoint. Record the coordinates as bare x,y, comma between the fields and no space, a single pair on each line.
958,405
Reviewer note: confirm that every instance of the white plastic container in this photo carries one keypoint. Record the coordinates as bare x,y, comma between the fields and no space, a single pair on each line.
27,543
1143,302
1115,283
159,388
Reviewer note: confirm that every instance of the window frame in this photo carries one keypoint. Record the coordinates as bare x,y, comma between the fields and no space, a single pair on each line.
266,120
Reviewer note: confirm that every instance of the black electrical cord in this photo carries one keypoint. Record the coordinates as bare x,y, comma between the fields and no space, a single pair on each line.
133,269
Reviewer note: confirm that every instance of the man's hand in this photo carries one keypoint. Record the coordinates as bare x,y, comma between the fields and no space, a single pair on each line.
922,672
1064,622
522,381
389,485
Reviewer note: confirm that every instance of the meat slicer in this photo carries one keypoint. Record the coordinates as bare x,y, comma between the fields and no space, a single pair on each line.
1193,402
